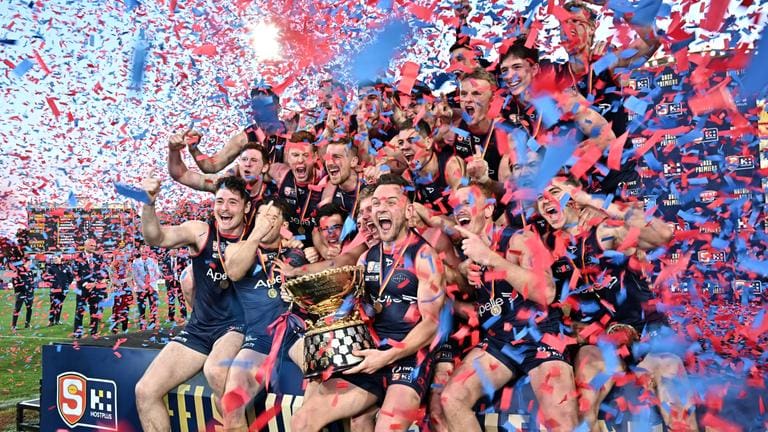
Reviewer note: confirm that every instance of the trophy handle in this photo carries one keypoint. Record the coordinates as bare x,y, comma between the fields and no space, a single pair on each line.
357,281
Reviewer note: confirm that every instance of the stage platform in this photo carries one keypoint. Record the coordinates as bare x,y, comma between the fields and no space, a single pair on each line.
90,385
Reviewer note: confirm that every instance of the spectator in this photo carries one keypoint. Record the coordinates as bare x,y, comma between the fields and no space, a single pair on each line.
91,276
60,276
172,265
145,274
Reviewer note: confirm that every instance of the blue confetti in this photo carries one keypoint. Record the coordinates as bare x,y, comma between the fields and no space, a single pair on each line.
22,68
140,51
636,105
605,62
548,109
374,58
755,78
132,192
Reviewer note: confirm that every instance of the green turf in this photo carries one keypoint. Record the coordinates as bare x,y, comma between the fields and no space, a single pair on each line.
20,352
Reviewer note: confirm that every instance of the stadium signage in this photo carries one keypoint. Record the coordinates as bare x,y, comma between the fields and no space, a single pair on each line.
87,402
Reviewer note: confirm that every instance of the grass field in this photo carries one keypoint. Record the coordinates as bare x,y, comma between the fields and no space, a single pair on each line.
21,352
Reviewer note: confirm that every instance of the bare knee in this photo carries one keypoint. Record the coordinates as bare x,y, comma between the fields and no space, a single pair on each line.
145,392
589,362
364,422
455,396
303,419
216,377
669,366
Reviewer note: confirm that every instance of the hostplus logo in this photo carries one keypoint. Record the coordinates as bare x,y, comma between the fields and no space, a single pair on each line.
86,402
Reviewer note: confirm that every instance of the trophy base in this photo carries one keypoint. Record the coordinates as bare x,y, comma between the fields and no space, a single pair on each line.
332,346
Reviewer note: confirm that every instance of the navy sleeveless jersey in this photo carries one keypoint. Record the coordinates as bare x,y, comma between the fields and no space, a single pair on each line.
253,291
607,97
637,309
465,147
510,306
597,288
303,202
433,191
345,200
400,293
214,305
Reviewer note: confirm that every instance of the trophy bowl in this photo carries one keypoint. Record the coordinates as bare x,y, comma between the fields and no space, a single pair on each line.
331,335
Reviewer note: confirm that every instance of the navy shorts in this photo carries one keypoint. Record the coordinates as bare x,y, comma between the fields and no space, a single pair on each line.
451,351
523,357
256,340
405,372
201,338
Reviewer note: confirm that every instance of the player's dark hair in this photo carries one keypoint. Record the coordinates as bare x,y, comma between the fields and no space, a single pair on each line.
234,184
279,203
331,209
255,145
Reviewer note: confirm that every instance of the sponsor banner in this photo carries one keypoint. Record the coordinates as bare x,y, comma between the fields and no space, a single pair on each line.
87,402
89,388
755,286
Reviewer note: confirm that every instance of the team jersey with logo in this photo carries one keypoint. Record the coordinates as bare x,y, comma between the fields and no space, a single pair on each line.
433,191
303,202
259,291
215,303
400,291
502,309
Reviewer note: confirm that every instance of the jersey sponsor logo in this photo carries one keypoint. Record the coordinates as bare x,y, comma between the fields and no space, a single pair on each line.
86,402
404,374
216,276
497,302
372,267
386,299
263,283
603,108
289,192
218,249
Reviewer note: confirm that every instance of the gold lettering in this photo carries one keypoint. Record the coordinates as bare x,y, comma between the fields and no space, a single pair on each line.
269,403
184,414
287,411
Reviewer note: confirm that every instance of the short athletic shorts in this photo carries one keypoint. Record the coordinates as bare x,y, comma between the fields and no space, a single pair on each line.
405,371
522,357
201,338
257,340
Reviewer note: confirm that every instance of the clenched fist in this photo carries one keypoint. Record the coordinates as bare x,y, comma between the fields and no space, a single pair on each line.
151,186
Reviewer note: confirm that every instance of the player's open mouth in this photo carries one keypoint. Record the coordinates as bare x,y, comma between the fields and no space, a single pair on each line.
333,171
384,222
301,170
463,220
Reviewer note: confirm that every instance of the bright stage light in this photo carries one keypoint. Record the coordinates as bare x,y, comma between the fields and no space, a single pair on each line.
264,38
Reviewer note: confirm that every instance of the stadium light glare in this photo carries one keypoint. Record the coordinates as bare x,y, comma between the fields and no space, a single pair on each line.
264,38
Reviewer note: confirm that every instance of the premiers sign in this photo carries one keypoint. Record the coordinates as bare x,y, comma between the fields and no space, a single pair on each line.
88,402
